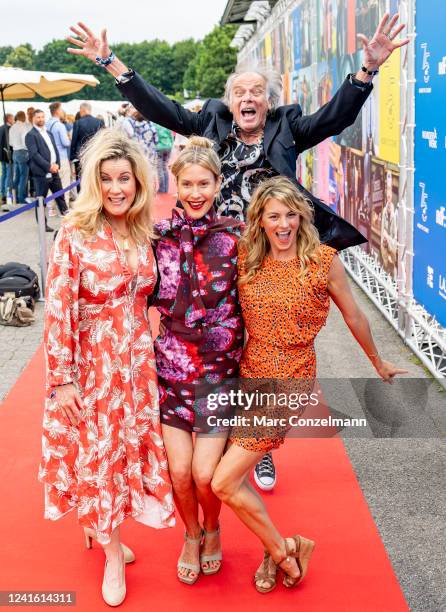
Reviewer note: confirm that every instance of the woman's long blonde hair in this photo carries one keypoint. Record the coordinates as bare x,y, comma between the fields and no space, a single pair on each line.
254,241
198,150
87,213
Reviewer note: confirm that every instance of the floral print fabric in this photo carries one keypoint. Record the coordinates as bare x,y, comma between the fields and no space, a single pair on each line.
197,299
97,336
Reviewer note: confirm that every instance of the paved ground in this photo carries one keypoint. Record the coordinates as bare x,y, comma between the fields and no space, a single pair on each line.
19,241
402,478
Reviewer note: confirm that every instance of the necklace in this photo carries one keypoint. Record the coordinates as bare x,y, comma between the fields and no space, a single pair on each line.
124,237
249,138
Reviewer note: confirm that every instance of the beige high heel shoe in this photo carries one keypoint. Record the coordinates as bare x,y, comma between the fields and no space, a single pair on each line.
129,555
113,595
192,567
218,556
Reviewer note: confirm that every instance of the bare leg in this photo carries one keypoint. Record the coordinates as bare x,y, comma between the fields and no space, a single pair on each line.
207,454
230,484
179,448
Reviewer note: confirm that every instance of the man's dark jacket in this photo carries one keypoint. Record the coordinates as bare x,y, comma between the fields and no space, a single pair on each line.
287,134
83,129
3,144
39,153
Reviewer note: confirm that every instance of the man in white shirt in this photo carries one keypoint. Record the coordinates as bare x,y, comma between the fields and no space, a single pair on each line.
17,135
44,162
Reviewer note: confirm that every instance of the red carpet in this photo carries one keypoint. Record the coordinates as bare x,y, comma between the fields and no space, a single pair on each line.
317,495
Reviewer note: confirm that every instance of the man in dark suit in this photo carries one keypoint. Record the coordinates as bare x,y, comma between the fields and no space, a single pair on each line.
44,162
83,129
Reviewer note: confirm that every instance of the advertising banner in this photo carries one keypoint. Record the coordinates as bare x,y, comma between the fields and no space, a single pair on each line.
429,265
389,109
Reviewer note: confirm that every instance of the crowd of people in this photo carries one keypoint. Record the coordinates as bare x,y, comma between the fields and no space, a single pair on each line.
245,250
41,154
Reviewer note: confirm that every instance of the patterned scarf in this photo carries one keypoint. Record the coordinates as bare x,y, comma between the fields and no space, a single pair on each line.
192,236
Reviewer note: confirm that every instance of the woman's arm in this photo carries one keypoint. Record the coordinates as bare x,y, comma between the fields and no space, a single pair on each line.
340,292
61,325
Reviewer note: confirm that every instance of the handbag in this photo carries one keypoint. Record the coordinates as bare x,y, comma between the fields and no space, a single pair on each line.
15,312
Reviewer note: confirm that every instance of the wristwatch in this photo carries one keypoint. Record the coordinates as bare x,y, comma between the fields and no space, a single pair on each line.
125,77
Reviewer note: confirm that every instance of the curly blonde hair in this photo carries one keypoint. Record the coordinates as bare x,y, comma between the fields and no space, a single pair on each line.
87,215
254,241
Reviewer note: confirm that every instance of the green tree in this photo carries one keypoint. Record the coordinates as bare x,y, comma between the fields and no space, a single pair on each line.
4,52
153,59
22,56
183,53
214,61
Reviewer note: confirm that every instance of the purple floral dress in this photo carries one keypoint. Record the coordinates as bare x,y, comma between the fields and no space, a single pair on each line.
197,299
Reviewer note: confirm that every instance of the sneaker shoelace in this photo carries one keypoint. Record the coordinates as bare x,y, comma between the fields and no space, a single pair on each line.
265,467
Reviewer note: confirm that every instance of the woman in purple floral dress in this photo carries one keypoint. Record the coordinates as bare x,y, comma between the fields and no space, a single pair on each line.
200,347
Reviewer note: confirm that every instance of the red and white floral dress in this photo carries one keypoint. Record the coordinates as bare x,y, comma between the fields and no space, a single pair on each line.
97,335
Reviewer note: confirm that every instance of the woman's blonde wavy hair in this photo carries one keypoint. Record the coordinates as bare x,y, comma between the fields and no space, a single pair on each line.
198,150
87,213
254,241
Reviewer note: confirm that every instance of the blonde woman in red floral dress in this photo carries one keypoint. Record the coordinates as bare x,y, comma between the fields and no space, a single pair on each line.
103,453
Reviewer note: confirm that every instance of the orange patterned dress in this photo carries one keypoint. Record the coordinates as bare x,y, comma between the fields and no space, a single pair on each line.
283,316
97,336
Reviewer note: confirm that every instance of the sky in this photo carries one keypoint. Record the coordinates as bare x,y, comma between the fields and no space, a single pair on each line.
40,21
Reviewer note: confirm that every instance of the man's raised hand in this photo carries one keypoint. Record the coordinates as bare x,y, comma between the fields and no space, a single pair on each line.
90,46
379,48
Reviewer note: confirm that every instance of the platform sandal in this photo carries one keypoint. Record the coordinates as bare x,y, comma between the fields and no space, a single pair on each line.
302,553
189,566
266,573
211,557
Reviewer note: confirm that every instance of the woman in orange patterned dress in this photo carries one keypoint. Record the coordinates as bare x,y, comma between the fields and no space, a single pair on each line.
102,447
286,280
